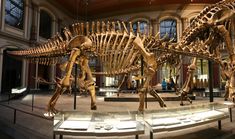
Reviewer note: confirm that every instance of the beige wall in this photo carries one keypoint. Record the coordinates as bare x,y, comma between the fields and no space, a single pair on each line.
11,37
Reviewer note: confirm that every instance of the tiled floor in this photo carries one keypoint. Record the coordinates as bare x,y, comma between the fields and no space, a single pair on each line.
34,127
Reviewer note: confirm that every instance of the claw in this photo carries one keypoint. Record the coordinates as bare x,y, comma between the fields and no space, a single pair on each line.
140,110
162,105
55,111
49,114
93,107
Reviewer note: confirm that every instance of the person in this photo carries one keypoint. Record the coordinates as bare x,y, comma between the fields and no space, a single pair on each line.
164,84
133,84
172,83
225,74
168,84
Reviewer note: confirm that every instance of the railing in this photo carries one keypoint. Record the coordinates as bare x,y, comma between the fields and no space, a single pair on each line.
25,112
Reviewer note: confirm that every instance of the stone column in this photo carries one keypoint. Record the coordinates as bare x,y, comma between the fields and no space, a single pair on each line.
2,16
26,20
33,32
36,75
24,73
1,65
185,62
52,69
51,75
185,23
153,23
232,31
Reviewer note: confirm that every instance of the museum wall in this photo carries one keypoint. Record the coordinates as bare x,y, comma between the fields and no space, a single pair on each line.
19,29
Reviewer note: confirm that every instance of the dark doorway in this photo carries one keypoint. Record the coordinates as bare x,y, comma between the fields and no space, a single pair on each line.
11,72
43,72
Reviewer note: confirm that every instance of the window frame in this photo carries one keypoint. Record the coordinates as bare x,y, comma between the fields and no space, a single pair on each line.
39,24
171,35
141,19
21,26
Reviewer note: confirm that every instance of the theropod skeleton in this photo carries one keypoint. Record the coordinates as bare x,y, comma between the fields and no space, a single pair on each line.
120,49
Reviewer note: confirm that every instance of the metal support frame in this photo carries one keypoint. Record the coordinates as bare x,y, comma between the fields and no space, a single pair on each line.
230,114
9,97
210,69
201,63
32,100
151,135
142,81
75,87
14,116
219,124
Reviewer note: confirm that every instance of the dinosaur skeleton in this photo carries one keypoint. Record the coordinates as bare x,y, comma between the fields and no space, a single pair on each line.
202,39
120,49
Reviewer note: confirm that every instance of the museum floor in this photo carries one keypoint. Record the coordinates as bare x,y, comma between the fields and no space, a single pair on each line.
32,125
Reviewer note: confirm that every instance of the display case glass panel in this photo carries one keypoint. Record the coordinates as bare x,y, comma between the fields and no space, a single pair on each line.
98,123
188,116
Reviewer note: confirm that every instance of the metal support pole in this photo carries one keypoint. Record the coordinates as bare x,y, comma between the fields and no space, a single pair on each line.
142,81
151,135
61,136
201,63
230,114
75,87
36,75
210,69
9,97
219,124
14,116
136,136
32,99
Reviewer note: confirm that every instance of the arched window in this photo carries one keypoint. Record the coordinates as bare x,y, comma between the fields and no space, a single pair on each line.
143,26
168,26
14,13
45,27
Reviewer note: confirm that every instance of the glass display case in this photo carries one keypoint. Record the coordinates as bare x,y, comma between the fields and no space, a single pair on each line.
98,123
169,119
105,124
